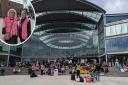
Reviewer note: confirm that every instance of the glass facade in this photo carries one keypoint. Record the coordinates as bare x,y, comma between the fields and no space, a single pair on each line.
14,54
117,33
3,48
67,32
119,44
93,15
115,17
16,50
101,38
117,29
58,45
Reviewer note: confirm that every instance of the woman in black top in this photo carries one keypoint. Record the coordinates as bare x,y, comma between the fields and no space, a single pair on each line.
25,24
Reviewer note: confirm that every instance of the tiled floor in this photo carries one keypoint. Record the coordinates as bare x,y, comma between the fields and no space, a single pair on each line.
58,80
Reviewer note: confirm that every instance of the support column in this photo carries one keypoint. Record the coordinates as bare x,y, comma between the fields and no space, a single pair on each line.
99,60
8,60
106,58
22,54
5,7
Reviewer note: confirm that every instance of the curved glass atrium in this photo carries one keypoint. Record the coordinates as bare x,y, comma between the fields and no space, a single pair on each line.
66,28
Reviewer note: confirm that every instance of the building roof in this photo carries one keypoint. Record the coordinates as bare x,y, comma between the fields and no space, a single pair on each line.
52,5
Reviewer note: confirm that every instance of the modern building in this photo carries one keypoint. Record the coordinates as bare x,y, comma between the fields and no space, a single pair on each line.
9,55
117,37
67,29
75,29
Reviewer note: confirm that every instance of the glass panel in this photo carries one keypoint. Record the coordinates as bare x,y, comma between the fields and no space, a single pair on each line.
124,28
4,48
113,30
91,26
62,44
108,31
119,44
16,50
93,15
118,29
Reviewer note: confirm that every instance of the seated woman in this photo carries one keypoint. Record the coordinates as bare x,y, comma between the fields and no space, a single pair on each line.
25,26
10,27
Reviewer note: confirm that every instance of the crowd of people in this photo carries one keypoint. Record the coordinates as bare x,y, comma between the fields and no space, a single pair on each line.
77,70
43,68
61,68
90,70
87,70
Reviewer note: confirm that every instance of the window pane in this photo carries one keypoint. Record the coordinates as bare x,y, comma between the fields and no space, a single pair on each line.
124,28
113,30
118,29
107,31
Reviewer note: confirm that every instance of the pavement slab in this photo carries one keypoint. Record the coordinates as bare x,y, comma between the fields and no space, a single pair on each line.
58,80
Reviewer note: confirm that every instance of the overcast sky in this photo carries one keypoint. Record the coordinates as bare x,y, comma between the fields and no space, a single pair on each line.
111,6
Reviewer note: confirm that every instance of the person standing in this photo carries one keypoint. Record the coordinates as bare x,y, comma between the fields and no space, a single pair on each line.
98,70
33,74
63,69
10,27
24,26
42,69
78,70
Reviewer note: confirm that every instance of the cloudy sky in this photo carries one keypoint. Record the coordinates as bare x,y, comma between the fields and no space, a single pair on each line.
113,6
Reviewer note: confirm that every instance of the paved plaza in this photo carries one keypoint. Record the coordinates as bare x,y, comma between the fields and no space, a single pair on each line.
57,80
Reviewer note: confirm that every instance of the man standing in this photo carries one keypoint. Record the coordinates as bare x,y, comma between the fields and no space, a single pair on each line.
78,70
98,70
